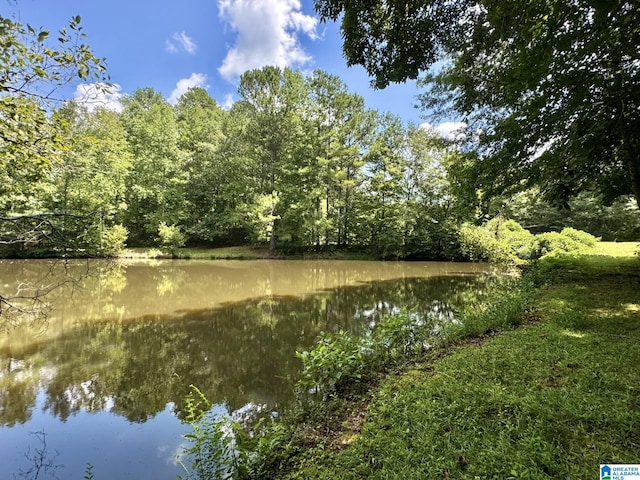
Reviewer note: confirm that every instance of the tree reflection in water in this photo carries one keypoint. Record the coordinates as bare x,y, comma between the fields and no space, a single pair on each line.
238,355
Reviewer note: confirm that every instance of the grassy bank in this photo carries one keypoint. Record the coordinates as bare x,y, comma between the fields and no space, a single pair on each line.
552,398
241,252
244,252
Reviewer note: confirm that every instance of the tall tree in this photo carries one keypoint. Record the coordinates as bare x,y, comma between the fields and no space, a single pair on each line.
435,204
384,208
211,189
554,86
156,180
89,178
341,127
34,68
272,99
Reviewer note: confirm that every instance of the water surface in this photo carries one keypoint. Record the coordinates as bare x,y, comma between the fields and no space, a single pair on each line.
103,364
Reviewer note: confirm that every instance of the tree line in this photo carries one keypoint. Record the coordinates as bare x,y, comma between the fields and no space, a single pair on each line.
299,162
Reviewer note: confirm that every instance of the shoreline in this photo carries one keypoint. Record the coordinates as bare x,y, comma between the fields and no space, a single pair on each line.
547,390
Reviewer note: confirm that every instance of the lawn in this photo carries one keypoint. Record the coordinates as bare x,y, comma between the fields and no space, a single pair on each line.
617,249
219,253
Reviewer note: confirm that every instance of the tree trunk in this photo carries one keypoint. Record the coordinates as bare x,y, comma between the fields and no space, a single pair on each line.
633,162
272,239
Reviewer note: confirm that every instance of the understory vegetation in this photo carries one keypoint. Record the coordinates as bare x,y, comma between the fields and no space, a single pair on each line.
534,379
507,242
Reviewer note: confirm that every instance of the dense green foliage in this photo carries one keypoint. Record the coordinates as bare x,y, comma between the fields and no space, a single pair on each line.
33,69
552,87
507,242
299,163
619,221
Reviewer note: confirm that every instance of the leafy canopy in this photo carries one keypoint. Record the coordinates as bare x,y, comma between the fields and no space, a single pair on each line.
553,86
33,69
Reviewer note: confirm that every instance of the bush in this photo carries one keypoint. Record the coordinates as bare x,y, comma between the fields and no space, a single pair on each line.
335,361
549,242
507,242
579,236
479,244
515,235
113,240
171,238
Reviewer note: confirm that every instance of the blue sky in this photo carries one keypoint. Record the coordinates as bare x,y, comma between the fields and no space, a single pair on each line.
171,46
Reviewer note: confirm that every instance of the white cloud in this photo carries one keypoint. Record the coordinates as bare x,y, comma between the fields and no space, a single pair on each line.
268,34
448,130
96,95
170,47
183,40
185,84
228,101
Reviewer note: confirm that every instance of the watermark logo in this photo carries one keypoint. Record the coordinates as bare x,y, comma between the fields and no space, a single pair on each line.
620,472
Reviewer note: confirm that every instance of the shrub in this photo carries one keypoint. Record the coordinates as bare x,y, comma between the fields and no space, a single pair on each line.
515,235
555,242
507,242
113,240
171,238
335,361
479,244
579,236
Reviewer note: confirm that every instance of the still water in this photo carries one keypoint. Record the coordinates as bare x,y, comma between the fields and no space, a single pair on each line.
98,370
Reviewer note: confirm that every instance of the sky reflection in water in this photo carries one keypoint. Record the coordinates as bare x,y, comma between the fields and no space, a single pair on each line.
107,378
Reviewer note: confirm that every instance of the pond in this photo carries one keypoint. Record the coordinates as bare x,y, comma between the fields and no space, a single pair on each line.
98,371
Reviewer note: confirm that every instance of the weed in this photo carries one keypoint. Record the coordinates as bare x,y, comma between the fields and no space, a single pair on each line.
216,451
335,360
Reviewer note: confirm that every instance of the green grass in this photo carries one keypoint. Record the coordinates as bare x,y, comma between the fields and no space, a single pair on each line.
233,253
551,399
222,253
617,249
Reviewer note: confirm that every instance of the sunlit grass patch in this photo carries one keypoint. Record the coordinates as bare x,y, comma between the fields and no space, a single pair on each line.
223,253
617,249
571,333
633,308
